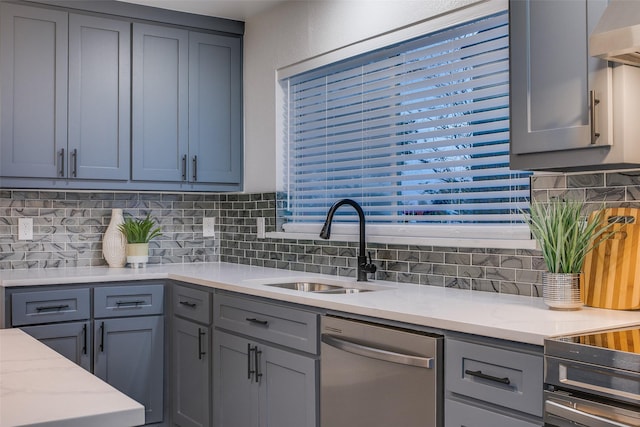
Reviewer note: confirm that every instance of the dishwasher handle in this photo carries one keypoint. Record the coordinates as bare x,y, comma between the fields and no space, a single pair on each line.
377,353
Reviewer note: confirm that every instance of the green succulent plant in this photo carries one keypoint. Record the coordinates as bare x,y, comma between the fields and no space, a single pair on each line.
564,235
139,230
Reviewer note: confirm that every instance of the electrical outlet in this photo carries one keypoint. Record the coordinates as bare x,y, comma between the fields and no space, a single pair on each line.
261,227
209,227
25,228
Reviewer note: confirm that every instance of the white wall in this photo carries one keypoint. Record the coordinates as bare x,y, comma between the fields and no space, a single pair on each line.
298,30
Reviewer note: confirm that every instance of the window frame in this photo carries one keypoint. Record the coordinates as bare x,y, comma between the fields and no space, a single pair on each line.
511,236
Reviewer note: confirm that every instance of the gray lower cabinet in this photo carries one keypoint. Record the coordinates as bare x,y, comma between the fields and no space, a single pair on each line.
492,383
265,364
260,385
191,361
563,100
129,355
122,342
72,340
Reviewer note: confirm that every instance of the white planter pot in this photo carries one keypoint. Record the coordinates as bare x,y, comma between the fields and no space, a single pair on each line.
137,254
561,291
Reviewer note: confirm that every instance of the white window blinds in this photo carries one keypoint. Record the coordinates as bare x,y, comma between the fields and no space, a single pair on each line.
417,133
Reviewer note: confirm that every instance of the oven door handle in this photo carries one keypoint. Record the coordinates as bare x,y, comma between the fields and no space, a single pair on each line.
576,416
377,353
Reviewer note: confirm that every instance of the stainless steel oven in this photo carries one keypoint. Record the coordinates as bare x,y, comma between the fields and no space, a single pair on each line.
593,380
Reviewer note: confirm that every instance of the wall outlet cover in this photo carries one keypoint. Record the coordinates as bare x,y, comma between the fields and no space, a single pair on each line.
209,227
261,228
25,228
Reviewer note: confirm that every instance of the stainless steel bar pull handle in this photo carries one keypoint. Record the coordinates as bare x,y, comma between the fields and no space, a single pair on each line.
376,353
592,116
580,417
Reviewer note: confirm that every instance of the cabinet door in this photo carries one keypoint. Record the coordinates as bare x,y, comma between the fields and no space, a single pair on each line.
552,76
99,98
160,103
129,355
215,112
72,340
33,91
288,396
191,374
235,391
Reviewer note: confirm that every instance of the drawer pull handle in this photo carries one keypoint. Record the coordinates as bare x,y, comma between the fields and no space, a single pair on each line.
257,321
129,303
480,374
52,307
188,304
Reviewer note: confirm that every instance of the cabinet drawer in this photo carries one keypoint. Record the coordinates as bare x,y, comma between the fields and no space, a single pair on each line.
120,301
276,323
458,414
194,304
500,376
30,308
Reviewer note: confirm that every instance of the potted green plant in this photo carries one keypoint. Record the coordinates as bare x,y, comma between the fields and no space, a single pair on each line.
565,237
138,233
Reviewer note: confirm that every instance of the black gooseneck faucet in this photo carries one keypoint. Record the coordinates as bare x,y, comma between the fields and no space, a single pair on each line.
364,266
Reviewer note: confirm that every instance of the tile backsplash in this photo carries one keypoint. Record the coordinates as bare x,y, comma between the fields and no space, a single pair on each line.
68,229
68,226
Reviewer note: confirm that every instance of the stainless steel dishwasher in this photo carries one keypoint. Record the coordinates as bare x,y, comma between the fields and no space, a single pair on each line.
378,376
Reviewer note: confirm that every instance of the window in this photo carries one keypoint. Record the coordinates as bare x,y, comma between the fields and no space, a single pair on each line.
417,133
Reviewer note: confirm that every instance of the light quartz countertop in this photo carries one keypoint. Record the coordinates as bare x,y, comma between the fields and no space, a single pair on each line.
511,317
39,386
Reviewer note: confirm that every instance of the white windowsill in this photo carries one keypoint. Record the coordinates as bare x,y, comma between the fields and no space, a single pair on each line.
421,241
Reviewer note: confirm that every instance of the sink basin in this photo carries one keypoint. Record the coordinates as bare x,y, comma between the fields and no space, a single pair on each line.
318,288
307,286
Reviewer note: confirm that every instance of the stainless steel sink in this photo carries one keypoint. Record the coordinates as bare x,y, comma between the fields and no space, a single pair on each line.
318,288
306,286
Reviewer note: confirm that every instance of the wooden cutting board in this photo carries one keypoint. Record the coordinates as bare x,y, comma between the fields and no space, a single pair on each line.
611,270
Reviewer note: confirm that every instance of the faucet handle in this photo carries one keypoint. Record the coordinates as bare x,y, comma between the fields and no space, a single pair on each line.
370,267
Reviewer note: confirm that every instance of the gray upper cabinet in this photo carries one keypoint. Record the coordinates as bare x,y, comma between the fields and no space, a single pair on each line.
65,95
563,100
215,113
160,103
33,90
186,106
91,101
99,98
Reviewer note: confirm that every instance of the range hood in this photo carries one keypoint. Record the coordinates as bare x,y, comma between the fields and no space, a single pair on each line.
617,35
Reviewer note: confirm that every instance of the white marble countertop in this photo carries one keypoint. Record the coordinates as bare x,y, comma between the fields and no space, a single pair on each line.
40,387
511,317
